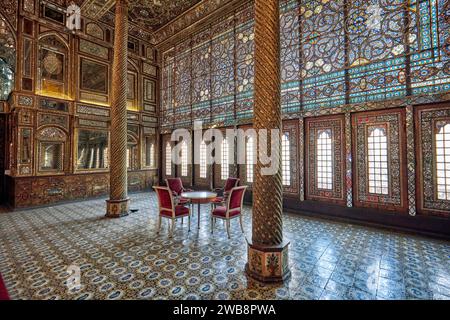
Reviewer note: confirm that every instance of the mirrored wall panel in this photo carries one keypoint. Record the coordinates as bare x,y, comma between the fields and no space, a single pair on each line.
92,151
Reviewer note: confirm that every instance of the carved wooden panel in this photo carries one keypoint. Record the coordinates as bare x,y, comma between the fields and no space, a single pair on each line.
316,187
38,191
393,193
431,195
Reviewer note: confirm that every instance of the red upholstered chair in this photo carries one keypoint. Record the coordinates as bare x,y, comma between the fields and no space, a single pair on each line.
176,186
168,209
229,184
232,210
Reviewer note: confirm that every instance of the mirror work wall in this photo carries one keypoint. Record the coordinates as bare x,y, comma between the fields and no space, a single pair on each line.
56,95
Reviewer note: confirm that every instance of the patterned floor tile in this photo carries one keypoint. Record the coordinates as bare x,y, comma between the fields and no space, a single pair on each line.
42,249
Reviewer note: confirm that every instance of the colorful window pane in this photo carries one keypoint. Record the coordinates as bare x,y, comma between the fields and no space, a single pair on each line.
203,160
184,159
168,159
324,165
286,159
224,169
443,160
250,159
377,152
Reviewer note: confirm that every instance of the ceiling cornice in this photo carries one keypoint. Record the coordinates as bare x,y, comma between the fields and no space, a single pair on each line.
194,19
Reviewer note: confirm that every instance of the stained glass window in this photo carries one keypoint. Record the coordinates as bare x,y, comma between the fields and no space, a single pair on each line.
443,160
377,151
224,169
203,159
324,163
184,159
168,159
286,159
332,53
250,159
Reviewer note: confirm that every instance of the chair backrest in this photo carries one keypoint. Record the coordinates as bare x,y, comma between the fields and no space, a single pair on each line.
175,184
165,199
236,198
230,184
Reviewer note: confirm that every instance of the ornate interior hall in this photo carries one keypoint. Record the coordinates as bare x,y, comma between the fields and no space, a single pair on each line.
225,150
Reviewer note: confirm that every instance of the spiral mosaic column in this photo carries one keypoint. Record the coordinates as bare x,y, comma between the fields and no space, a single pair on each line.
118,204
267,252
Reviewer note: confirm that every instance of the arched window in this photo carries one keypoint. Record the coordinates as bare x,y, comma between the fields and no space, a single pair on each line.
132,152
250,158
443,160
286,159
377,151
203,159
184,159
224,169
149,155
168,159
324,160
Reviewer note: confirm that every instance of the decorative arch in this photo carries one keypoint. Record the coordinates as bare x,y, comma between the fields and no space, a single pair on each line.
94,30
53,62
51,133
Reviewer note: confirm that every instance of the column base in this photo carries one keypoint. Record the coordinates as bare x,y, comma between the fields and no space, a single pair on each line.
117,208
268,263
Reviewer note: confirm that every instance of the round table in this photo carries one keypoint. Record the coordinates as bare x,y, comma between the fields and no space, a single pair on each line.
199,197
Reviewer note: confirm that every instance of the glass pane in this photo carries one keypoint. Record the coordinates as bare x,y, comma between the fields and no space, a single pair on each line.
168,159
442,138
324,161
286,159
377,160
224,169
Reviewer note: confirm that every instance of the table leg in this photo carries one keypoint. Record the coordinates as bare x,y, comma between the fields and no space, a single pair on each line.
198,216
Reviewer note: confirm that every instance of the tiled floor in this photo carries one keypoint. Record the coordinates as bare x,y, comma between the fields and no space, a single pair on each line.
125,259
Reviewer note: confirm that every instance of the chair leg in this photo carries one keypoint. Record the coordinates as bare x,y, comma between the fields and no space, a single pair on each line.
228,228
159,225
189,222
240,221
212,224
173,227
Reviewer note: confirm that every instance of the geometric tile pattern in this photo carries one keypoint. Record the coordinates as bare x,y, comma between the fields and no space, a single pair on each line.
125,258
411,160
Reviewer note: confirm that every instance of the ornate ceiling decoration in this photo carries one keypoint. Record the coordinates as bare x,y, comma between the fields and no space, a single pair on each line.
153,14
160,18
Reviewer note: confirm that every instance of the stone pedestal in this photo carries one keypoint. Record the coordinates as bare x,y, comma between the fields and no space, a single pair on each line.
268,263
117,208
